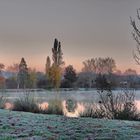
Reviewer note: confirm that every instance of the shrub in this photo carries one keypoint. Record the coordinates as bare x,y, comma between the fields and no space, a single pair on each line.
26,103
129,112
91,110
113,106
118,105
88,111
55,107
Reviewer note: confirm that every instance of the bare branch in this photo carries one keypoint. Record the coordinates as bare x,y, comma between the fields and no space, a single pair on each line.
136,58
138,15
136,37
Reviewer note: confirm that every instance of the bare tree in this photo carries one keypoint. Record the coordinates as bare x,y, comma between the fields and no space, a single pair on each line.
136,36
89,65
99,65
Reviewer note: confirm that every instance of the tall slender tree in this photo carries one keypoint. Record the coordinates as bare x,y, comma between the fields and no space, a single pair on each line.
55,69
57,54
60,56
48,65
23,75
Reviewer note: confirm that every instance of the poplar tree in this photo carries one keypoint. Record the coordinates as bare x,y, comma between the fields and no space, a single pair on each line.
48,65
57,54
55,70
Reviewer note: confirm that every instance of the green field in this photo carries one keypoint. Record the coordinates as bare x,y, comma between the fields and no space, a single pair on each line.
26,126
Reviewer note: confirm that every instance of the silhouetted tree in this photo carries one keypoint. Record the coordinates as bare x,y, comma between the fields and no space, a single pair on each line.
23,75
102,83
99,65
57,54
55,70
70,76
136,37
48,65
89,65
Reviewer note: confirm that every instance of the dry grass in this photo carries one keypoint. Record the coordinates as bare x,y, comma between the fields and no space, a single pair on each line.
26,103
2,101
55,107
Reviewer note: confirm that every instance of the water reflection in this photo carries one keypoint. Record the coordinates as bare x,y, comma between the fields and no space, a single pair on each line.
80,108
138,104
9,106
43,106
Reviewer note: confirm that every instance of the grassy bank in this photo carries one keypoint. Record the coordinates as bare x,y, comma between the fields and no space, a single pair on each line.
24,126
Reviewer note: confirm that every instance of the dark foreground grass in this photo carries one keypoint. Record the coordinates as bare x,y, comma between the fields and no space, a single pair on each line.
28,126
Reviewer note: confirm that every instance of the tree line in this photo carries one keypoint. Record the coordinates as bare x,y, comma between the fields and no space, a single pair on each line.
95,72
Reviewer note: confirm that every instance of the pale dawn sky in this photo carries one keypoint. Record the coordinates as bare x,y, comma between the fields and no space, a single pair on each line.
86,29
